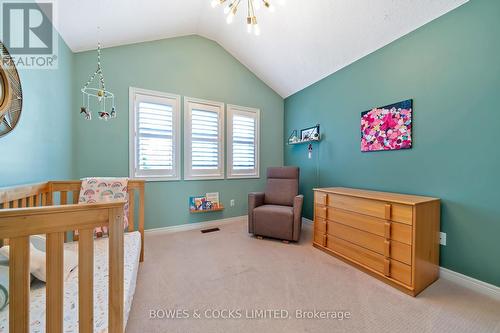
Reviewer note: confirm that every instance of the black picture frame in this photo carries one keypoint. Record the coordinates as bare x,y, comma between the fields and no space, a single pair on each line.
307,134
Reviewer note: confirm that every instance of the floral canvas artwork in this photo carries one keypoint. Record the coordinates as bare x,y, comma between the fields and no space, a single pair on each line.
388,127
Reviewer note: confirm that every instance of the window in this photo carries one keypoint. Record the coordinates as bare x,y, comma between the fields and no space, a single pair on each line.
243,142
203,139
154,135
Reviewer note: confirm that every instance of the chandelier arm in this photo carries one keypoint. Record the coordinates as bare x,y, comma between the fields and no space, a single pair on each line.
235,5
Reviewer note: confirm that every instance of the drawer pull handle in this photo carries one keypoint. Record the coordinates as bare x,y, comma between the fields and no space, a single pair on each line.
387,248
387,267
387,229
388,209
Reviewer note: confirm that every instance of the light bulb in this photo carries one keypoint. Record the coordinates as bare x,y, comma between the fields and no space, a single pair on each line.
230,18
256,30
214,3
227,9
249,24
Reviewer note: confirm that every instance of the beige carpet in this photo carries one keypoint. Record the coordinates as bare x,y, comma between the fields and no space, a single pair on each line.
231,270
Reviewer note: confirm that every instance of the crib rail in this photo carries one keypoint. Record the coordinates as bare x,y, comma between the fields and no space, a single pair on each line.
63,192
24,196
18,224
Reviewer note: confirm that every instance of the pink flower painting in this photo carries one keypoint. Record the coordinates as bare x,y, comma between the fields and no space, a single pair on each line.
387,128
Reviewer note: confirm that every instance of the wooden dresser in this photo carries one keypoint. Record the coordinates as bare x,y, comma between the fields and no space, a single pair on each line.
394,237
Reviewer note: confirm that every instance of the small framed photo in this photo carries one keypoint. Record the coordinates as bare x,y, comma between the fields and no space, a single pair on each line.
310,133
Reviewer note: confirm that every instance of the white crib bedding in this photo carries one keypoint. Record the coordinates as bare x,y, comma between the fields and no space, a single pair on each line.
37,294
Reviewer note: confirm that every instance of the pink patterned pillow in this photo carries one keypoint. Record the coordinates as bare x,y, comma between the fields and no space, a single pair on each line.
100,190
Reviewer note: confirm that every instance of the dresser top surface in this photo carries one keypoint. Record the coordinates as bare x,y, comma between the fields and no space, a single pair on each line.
406,199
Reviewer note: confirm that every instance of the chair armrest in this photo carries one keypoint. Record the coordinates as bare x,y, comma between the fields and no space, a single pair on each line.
297,216
255,199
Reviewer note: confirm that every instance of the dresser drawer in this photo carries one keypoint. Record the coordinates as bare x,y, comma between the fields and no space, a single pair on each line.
400,272
387,229
320,198
320,225
384,266
320,211
384,210
380,245
319,238
401,252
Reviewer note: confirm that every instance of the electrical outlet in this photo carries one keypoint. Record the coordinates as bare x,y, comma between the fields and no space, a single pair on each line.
231,203
442,238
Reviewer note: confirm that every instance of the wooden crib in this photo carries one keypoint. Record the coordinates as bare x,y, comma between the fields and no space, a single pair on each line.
43,209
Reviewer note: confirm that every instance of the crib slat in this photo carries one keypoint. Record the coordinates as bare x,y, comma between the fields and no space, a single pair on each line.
75,201
30,201
64,197
36,200
6,205
23,202
131,207
115,293
75,196
64,201
50,196
15,203
141,220
86,281
20,290
55,282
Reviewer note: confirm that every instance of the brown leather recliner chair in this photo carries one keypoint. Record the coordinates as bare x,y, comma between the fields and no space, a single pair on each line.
277,212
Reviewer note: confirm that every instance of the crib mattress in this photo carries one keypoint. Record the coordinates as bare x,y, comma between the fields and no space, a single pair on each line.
37,294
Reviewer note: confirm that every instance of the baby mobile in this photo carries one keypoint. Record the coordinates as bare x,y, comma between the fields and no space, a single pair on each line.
105,99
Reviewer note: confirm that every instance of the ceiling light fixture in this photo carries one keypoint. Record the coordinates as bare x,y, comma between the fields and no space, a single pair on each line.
252,5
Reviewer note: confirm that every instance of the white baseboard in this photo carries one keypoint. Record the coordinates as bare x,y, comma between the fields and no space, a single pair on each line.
194,226
471,283
306,220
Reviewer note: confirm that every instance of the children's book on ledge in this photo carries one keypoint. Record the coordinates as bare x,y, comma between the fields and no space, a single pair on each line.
205,203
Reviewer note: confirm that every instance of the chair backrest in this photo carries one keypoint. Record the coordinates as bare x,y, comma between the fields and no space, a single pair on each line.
282,185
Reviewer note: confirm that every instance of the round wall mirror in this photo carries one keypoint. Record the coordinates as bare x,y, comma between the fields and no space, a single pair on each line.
11,96
2,86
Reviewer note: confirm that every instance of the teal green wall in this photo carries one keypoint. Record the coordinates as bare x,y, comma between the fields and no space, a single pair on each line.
40,146
189,66
451,69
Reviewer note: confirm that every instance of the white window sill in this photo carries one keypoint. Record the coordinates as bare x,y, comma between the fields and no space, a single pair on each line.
158,179
203,177
243,177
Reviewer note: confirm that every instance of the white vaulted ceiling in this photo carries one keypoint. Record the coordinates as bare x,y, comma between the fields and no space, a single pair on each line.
301,42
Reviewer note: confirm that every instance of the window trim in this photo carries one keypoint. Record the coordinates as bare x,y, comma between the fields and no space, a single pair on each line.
231,110
133,91
187,139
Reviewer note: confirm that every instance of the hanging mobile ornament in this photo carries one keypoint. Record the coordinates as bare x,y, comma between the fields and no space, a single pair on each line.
98,93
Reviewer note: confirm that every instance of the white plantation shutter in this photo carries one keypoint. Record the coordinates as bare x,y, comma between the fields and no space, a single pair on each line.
156,132
243,142
205,140
204,145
